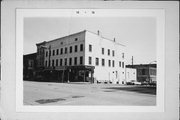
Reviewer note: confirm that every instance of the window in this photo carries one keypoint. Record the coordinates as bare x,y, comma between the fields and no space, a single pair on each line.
70,61
65,61
143,71
46,63
90,48
108,51
76,39
65,50
75,49
52,63
53,52
46,53
103,62
90,60
75,61
109,63
122,55
61,51
113,53
81,60
113,63
122,64
103,51
56,62
57,51
119,63
97,61
81,47
49,63
70,49
61,61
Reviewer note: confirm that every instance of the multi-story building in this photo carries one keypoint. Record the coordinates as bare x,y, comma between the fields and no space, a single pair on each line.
83,56
145,72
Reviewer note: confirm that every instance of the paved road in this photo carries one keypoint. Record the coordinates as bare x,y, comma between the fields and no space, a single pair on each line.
45,93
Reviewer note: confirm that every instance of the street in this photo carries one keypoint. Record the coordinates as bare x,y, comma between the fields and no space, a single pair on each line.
47,93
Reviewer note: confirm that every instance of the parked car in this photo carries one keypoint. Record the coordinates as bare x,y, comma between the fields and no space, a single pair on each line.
137,83
145,83
152,83
129,83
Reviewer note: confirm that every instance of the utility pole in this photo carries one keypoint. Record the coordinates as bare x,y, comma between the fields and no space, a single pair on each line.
132,60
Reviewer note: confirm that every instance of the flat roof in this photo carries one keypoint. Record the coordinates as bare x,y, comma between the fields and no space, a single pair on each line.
76,34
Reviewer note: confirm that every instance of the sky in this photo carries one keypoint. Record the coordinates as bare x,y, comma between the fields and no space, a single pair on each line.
138,34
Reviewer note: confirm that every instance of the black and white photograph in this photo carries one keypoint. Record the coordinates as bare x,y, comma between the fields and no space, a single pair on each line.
89,60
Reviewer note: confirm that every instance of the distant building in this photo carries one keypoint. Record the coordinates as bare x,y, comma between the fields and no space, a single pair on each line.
145,72
131,74
83,56
29,66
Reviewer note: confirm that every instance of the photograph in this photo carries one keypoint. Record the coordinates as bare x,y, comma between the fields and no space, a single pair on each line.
89,60
100,60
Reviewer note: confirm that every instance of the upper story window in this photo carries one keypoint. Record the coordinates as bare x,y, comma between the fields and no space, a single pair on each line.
75,48
90,48
97,61
46,63
57,52
81,60
65,61
65,50
70,49
113,64
61,51
56,62
103,51
108,51
109,63
103,62
52,63
122,64
122,55
61,62
75,61
119,63
113,54
46,53
61,43
90,60
70,61
81,47
76,39
53,52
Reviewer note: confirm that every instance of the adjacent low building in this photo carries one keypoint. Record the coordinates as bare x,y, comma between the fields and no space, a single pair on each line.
145,72
29,66
83,56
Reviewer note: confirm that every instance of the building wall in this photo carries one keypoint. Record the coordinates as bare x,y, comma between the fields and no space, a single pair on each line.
65,42
105,73
131,74
102,73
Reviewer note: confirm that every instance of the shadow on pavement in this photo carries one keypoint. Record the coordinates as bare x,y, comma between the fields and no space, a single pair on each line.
44,101
144,90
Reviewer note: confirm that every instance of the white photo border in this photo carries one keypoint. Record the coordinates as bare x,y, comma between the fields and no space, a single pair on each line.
159,14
